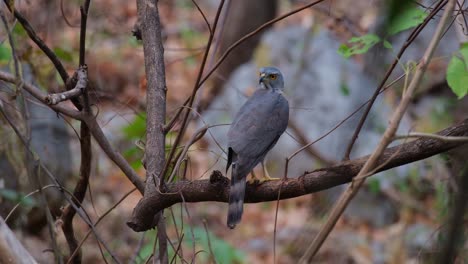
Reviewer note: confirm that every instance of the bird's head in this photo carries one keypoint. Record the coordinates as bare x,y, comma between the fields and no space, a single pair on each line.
271,78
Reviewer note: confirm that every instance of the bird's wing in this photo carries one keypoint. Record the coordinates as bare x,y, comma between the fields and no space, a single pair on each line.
258,125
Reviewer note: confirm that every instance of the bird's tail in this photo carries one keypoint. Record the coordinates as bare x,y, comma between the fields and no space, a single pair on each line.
236,198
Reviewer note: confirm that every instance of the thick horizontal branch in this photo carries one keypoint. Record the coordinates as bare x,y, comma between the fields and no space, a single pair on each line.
217,187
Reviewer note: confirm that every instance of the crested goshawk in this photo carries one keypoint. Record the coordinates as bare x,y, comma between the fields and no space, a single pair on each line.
255,131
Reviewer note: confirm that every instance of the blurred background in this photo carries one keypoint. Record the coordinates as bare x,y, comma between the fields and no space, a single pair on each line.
333,57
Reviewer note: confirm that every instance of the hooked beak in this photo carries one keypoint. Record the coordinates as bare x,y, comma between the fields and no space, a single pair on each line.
262,77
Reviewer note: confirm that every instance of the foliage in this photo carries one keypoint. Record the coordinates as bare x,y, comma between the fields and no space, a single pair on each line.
204,240
344,89
133,132
64,54
222,251
17,197
408,18
5,53
359,45
457,72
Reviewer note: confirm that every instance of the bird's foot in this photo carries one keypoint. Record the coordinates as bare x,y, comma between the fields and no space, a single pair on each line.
253,179
267,178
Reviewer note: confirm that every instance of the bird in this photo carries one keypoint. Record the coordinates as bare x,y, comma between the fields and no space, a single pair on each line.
255,130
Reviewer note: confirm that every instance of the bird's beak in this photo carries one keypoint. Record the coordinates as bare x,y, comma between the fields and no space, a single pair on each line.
262,77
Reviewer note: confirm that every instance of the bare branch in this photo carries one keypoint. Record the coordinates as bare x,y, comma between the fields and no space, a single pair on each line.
41,96
427,135
81,77
86,153
150,28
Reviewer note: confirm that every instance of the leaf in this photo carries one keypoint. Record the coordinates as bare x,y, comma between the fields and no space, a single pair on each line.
344,89
222,251
17,197
457,72
374,185
406,19
63,54
147,249
359,45
137,128
5,53
387,45
19,30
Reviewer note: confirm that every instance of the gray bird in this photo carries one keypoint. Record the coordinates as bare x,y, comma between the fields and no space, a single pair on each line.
255,130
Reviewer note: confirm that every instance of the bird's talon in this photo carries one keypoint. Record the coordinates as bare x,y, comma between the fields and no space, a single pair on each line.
267,179
252,180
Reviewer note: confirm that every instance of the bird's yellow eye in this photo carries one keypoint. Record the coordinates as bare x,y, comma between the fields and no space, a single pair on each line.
273,76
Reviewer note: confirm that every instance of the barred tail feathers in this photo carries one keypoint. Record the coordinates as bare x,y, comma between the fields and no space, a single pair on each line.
236,197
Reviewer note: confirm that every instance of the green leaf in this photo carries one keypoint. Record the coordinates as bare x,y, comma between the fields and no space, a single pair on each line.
19,30
147,249
137,128
406,19
359,45
63,54
223,252
344,89
457,72
5,53
17,197
387,45
374,185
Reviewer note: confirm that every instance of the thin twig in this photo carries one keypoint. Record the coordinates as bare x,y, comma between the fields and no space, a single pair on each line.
210,248
41,96
427,135
197,85
99,220
203,15
85,145
26,196
276,223
195,137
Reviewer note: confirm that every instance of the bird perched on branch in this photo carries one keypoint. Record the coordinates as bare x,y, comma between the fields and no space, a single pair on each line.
255,130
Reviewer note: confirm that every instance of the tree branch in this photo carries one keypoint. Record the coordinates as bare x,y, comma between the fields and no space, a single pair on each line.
217,187
79,192
150,28
41,96
81,77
